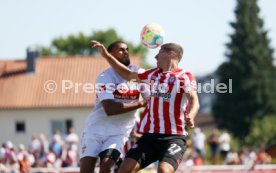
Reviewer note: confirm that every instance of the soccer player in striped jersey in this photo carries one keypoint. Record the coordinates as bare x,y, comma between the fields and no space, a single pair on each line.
173,105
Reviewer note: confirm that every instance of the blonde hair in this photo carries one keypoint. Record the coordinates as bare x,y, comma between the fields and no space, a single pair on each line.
176,48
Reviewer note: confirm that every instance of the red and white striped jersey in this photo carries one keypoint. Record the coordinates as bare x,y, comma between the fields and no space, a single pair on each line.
168,103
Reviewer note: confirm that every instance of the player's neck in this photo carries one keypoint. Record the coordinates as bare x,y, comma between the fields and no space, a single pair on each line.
170,67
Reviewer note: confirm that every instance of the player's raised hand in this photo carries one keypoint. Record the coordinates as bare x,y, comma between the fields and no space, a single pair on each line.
100,47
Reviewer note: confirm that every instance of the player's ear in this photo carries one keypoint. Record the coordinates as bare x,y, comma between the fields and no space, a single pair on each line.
173,55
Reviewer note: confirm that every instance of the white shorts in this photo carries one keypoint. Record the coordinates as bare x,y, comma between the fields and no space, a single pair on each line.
92,144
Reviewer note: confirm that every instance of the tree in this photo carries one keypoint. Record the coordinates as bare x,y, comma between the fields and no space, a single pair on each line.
262,132
250,66
80,44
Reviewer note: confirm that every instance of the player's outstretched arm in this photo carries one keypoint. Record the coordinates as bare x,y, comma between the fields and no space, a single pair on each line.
122,70
112,107
194,107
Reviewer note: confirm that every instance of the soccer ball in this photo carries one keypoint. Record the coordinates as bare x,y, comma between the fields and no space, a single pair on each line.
152,35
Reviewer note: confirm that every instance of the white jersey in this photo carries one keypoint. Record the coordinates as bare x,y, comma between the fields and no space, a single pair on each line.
110,85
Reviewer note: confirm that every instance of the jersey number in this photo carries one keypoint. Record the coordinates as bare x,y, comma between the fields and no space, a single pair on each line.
174,148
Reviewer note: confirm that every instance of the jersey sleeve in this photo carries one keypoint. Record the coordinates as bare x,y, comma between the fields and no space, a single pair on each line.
190,82
143,75
104,88
144,89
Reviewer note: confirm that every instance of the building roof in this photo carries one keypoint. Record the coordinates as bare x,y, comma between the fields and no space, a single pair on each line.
12,67
28,90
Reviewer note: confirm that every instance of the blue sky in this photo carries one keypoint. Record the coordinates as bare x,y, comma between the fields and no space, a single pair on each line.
200,26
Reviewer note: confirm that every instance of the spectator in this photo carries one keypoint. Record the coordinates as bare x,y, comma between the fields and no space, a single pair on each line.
57,136
3,167
71,159
197,158
198,139
263,157
224,144
11,159
71,138
21,152
213,142
50,158
31,158
248,156
25,165
34,145
44,145
56,146
232,158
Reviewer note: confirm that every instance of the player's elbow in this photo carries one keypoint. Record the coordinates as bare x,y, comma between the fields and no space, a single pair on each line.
109,111
197,105
108,106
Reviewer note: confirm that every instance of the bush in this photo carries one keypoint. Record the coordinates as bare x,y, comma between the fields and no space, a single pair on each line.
262,132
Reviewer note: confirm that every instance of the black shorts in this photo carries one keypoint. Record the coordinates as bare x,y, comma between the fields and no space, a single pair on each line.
153,147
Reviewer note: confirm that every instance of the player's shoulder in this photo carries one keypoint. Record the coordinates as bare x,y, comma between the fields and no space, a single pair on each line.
135,68
150,70
189,74
186,73
106,74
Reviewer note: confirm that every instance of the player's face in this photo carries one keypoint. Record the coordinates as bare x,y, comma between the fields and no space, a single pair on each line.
120,52
163,59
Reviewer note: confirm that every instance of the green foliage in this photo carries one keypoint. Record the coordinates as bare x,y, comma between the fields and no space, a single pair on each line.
80,44
262,132
250,66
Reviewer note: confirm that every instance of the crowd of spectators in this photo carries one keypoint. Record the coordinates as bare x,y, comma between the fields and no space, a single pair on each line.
62,151
59,152
221,151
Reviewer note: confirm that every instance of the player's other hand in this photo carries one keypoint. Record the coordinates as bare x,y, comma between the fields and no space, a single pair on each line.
143,103
100,47
189,121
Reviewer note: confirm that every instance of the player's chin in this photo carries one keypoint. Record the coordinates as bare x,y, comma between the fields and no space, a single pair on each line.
126,62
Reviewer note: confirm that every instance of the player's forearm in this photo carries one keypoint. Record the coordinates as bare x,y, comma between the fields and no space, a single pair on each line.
119,108
194,106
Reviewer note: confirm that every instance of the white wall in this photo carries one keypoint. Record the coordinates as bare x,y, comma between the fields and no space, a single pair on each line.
38,121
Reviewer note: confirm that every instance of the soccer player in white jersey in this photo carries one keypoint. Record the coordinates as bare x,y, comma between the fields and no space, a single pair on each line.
173,105
109,124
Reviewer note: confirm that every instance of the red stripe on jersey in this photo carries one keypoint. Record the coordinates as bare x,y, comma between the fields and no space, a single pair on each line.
181,84
167,121
147,125
126,148
166,108
155,115
177,113
144,75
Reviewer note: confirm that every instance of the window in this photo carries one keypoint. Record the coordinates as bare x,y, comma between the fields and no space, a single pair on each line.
61,125
20,127
57,125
